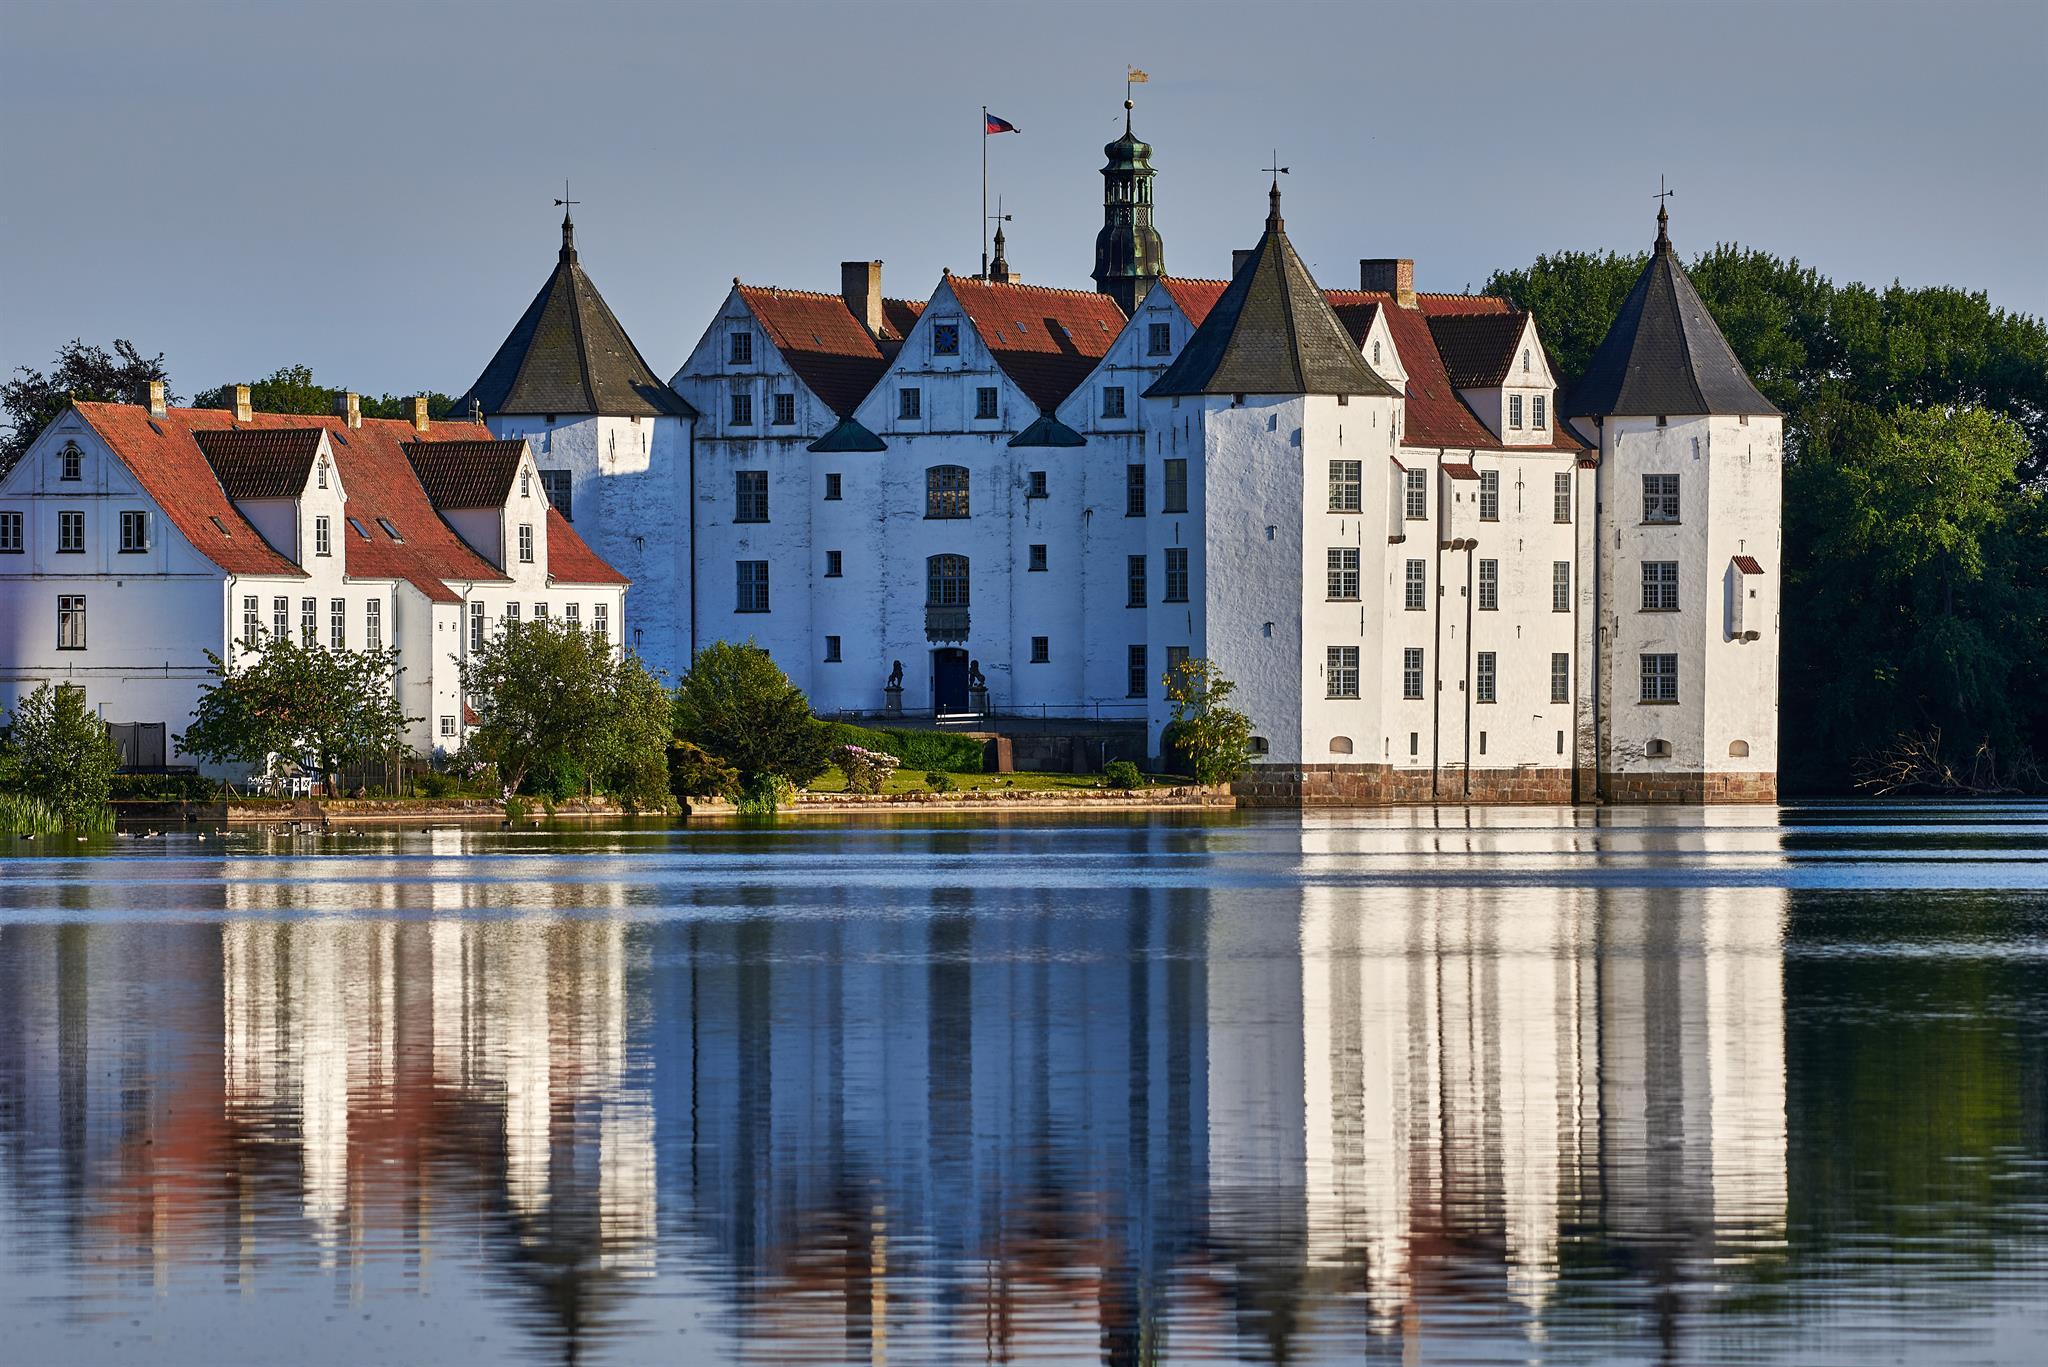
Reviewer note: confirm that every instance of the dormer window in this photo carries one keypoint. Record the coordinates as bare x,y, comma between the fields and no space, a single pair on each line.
72,458
945,339
741,348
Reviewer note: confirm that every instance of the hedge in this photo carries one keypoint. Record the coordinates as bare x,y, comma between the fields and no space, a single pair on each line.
917,749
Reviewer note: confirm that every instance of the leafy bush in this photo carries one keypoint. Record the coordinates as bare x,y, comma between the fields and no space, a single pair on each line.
1212,738
765,794
738,704
554,778
164,788
1121,773
517,809
694,771
866,770
61,753
939,781
917,749
435,784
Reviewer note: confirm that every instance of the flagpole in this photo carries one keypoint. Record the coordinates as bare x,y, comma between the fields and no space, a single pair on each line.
984,192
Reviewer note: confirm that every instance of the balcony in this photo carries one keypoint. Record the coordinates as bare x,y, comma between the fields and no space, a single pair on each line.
945,623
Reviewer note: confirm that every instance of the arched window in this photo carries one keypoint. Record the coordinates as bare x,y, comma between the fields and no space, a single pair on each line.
71,457
1259,746
1739,749
945,491
1340,745
1658,749
945,581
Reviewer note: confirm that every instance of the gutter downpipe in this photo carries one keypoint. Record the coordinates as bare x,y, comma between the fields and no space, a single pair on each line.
1471,545
1599,679
692,495
1436,648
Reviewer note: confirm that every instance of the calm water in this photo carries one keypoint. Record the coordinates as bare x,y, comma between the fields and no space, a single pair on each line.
1734,1086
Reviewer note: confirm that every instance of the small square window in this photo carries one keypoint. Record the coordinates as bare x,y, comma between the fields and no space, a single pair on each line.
1035,485
447,724
945,339
1041,650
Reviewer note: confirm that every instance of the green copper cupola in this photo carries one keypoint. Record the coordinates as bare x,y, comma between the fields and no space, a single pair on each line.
1129,256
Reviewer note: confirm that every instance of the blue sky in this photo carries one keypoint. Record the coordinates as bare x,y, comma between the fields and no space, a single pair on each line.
364,188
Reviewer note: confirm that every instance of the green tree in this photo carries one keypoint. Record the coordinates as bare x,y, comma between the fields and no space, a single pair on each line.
736,703
546,695
59,752
31,399
319,708
1213,738
634,763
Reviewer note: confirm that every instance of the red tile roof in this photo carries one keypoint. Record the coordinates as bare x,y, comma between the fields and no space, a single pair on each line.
1195,297
1441,304
570,559
828,348
1047,340
1748,564
1458,470
1434,414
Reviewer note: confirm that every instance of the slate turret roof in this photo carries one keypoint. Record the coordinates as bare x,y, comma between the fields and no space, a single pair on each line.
1664,354
568,354
1271,332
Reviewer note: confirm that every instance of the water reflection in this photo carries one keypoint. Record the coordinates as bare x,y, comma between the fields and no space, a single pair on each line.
1314,1091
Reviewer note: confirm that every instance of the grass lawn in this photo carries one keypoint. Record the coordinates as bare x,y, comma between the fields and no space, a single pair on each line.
912,781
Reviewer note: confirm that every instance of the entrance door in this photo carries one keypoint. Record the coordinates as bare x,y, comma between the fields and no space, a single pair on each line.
949,680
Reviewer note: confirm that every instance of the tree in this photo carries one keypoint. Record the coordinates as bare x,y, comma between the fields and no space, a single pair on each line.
547,697
736,703
292,389
60,752
32,399
634,763
1211,736
319,708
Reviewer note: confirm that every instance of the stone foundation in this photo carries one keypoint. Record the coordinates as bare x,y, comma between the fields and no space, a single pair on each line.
1689,788
1383,785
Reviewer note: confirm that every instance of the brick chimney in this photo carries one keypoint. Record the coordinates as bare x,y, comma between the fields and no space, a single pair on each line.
1239,257
419,413
860,285
157,408
1389,275
241,403
349,405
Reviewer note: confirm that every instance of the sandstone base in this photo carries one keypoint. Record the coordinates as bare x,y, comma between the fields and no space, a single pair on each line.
1383,785
1690,788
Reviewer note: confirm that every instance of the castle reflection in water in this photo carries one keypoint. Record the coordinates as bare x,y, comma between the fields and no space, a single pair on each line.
971,1123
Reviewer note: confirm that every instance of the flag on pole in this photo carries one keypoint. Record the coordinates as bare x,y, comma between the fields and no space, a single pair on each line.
992,124
1135,76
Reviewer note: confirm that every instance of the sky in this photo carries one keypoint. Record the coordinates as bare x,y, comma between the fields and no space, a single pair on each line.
366,188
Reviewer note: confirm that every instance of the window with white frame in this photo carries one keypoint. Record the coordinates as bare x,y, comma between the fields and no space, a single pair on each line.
1347,486
1538,418
526,484
987,403
476,626
252,621
281,618
337,623
1416,484
1515,411
512,616
1176,574
1483,676
1660,498
309,621
750,495
134,531
1411,673
373,624
1489,585
601,621
1112,401
1560,676
1343,573
572,613
752,579
1489,495
323,536
1660,586
946,491
447,723
1159,339
11,533
1415,586
71,533
1660,678
71,621
1134,581
1561,496
1560,586
526,543
1035,485
1340,672
948,581
71,459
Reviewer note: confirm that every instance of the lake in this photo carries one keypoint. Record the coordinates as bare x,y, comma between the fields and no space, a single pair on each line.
1508,1085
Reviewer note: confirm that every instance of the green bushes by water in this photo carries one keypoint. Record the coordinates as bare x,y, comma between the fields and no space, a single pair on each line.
925,750
21,814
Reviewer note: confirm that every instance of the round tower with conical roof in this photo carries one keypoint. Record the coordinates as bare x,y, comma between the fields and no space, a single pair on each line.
1129,257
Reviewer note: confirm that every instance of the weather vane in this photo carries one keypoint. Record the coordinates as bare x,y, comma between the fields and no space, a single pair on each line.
1276,170
1662,193
564,202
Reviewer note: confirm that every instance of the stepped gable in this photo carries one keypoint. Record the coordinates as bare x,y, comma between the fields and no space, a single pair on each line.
1047,340
828,348
1664,354
569,354
1478,348
466,473
252,463
1271,332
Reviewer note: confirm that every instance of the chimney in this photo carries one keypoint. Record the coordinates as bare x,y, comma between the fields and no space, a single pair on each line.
860,285
156,398
419,413
1239,257
349,405
1389,275
241,403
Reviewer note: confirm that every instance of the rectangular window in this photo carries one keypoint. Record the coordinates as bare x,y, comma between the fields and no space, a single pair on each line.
753,585
1561,496
1343,573
1515,412
540,612
1176,656
309,621
71,533
337,622
512,615
281,618
134,531
1482,677
72,461
1417,488
832,486
741,348
909,403
1112,401
373,624
1174,497
559,488
1660,678
1489,585
1660,498
1347,486
1560,676
1414,743
1176,574
476,626
782,409
1560,586
835,564
526,543
1538,418
1660,586
10,534
1134,577
1159,339
832,650
1041,650
252,622
1035,486
1037,563
945,339
1340,672
750,495
1411,673
323,536
71,621
601,621
742,409
1415,586
985,403
1134,491
525,484
447,724
1489,495
572,613
1135,671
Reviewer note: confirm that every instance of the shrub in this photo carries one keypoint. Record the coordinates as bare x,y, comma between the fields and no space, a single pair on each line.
434,784
694,771
1211,737
554,779
939,781
866,770
736,703
916,749
61,753
1121,773
517,809
765,794
163,788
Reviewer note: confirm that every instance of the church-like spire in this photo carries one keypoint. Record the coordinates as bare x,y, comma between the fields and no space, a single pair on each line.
999,271
568,238
1129,256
